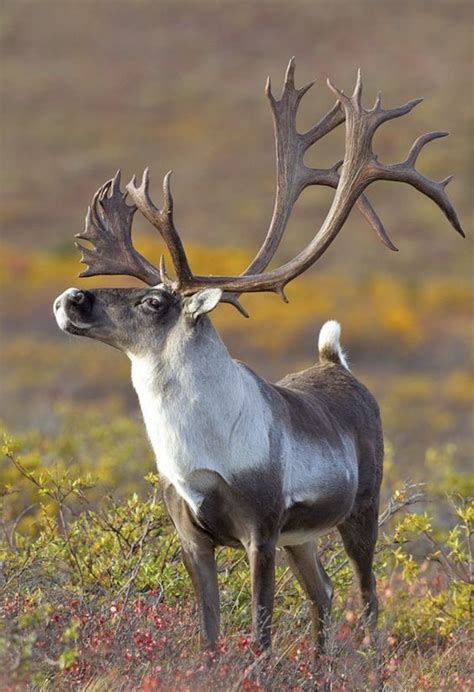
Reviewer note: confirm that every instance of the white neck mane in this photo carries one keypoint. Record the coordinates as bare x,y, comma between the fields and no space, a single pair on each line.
203,411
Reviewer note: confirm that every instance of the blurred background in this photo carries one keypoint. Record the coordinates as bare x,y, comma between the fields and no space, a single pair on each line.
89,87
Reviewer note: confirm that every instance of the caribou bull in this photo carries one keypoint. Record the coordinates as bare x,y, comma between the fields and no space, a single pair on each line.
244,462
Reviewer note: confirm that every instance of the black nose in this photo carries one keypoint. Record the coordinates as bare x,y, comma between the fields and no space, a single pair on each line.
82,299
76,297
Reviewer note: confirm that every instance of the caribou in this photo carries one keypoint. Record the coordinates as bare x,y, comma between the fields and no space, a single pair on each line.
244,462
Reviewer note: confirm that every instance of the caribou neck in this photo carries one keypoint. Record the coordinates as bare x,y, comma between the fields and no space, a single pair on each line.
188,363
198,403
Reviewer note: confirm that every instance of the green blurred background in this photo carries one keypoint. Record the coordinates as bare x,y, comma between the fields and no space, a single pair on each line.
88,87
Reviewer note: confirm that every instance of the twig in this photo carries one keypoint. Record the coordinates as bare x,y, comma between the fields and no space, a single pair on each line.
129,583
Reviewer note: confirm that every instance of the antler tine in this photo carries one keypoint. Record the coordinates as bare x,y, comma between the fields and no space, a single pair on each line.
290,73
331,120
162,220
357,95
108,228
293,176
405,172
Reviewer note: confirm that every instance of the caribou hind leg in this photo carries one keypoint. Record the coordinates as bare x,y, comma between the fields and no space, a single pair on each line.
315,582
359,535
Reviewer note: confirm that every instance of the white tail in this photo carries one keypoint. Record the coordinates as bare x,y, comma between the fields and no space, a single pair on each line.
329,344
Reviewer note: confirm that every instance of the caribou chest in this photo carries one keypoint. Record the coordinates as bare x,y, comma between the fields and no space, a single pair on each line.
203,426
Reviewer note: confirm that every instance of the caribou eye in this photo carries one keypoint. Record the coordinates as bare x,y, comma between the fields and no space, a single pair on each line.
153,303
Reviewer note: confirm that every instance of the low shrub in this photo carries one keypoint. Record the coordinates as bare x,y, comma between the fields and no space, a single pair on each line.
94,594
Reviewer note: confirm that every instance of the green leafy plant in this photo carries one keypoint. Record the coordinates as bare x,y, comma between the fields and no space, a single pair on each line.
92,588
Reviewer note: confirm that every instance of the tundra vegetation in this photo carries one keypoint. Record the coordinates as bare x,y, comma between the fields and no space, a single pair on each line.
93,594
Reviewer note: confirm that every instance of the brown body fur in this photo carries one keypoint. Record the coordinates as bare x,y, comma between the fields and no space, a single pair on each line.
320,402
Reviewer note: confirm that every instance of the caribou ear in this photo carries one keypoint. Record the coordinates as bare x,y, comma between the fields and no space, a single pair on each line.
202,302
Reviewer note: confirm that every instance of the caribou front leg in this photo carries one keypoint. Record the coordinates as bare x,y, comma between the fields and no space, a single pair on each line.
198,555
262,570
199,560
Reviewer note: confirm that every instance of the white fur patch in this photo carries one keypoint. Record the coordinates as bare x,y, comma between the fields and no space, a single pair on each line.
329,337
298,537
61,318
203,412
60,313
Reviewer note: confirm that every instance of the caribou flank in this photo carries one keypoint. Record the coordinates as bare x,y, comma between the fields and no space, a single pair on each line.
244,462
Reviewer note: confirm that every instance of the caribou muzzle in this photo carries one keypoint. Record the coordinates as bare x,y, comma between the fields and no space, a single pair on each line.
73,310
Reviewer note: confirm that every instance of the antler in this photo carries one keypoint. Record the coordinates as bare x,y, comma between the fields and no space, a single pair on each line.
360,168
293,176
109,228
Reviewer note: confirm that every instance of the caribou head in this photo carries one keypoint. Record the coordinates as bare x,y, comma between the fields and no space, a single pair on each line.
245,462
